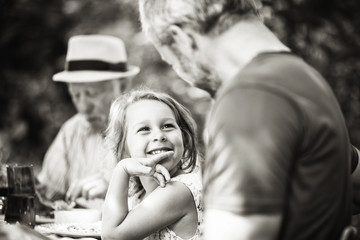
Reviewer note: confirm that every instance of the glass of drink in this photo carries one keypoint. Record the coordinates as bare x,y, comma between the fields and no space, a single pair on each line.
21,195
3,188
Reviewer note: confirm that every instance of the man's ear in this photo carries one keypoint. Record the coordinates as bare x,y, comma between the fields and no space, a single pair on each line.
125,84
121,85
184,36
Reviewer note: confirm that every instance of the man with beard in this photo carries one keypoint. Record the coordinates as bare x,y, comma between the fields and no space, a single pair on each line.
75,165
278,161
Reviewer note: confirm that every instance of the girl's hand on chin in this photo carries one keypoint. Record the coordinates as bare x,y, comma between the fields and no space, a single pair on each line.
148,167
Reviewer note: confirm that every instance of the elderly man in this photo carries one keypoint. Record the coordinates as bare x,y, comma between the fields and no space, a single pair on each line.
96,72
278,158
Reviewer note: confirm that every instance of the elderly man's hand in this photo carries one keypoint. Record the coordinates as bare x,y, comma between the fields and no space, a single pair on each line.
88,188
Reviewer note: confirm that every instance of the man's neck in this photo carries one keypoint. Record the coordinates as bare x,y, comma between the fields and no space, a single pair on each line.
233,49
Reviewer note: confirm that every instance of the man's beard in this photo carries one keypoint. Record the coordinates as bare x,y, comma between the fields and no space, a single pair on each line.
97,126
207,80
198,74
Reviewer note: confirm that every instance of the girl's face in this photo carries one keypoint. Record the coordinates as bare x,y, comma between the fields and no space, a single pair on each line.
152,129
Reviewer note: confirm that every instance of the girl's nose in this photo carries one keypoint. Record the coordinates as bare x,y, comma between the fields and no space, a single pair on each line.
159,137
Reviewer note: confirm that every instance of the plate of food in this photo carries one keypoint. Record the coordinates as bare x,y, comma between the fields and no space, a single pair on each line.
71,229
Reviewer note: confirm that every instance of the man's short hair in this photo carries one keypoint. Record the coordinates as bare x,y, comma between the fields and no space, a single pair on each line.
204,16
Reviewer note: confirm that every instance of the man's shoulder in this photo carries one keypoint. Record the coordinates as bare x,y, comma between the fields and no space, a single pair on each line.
75,125
268,69
280,73
75,121
76,130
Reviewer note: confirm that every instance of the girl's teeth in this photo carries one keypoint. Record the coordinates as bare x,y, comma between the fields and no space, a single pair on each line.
158,151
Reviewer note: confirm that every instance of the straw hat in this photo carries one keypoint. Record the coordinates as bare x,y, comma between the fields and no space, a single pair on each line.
94,58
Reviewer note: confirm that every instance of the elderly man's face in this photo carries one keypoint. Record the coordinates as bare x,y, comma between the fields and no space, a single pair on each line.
93,100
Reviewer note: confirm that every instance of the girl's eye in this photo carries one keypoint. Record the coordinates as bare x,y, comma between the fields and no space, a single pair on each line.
168,126
143,129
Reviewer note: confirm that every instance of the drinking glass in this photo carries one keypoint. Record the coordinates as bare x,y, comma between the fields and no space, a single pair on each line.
21,195
3,188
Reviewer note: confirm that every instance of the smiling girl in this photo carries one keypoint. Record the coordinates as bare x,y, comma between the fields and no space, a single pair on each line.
154,139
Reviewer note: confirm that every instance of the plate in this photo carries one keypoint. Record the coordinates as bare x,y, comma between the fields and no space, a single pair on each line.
71,229
77,215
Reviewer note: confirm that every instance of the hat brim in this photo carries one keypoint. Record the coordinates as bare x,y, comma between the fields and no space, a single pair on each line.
93,76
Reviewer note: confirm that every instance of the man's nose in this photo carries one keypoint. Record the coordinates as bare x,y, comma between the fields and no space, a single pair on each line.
85,105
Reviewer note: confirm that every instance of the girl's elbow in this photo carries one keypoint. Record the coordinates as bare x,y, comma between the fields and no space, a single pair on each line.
105,236
108,234
112,234
108,237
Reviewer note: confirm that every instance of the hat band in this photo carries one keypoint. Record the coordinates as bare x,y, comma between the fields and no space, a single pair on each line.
95,65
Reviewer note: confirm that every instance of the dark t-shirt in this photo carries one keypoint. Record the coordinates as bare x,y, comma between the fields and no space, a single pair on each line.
277,143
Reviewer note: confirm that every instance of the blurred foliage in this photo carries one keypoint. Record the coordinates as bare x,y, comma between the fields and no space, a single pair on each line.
326,34
33,42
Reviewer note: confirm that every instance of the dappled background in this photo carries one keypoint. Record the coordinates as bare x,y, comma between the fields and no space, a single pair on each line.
33,43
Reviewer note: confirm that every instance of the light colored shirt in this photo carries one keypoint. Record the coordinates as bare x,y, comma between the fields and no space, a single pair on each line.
77,152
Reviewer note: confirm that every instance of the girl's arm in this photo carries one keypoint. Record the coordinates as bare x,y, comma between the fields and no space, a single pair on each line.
116,204
163,207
